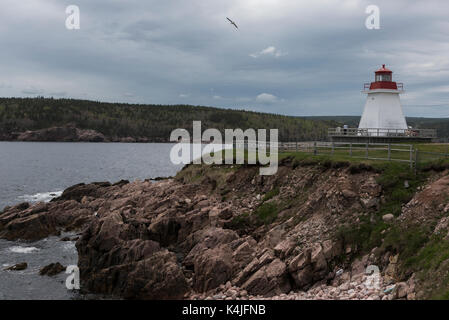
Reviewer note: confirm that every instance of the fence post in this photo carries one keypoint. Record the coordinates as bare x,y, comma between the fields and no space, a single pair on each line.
416,161
411,157
366,151
296,145
350,149
314,148
389,151
332,148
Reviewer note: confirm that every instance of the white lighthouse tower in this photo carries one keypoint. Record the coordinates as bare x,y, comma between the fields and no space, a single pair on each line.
383,111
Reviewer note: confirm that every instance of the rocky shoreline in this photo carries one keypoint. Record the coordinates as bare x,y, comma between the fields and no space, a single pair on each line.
70,133
226,233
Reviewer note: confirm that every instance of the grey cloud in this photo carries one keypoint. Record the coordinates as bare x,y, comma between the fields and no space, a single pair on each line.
32,91
174,51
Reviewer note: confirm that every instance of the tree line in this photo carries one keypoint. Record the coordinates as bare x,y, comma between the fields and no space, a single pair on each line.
154,122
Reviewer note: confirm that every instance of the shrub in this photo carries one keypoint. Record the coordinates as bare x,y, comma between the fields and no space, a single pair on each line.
267,212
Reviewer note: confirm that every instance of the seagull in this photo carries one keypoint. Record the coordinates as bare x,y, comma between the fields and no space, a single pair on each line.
232,22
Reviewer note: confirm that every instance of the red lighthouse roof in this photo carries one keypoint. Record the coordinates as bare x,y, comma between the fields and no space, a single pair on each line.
383,80
383,70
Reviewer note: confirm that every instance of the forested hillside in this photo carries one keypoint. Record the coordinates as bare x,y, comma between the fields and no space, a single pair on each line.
154,122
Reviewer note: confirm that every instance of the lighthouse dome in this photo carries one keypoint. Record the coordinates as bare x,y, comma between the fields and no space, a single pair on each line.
383,70
383,80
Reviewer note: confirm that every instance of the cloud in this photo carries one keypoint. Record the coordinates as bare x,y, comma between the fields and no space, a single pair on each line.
32,91
266,98
159,49
269,51
58,94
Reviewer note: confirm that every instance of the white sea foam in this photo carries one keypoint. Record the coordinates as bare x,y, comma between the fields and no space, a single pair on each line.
69,246
40,197
19,249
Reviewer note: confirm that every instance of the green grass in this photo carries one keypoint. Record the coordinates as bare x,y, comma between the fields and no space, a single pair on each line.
406,242
240,222
432,147
271,194
363,236
267,212
367,234
359,154
392,179
430,256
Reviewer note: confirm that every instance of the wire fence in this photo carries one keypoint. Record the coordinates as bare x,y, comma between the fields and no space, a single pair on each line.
406,153
371,151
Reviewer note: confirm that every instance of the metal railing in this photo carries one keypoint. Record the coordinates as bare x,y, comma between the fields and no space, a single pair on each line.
382,132
399,85
370,151
406,153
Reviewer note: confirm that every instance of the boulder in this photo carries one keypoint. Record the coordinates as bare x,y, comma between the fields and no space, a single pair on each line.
348,193
317,258
388,217
300,261
284,248
52,269
271,279
244,253
400,290
304,277
331,249
390,274
164,229
18,267
212,268
225,213
78,191
29,227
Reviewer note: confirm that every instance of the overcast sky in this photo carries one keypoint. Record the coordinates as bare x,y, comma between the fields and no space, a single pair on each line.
288,56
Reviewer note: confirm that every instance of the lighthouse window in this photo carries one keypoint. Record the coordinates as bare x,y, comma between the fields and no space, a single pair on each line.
383,77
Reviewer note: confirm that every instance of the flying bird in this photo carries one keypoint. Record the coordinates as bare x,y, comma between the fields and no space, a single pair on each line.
232,22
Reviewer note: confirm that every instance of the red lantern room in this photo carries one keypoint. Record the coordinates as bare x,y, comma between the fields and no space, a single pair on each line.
383,80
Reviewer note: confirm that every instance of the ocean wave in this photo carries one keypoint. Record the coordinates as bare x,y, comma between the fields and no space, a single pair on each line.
19,249
40,197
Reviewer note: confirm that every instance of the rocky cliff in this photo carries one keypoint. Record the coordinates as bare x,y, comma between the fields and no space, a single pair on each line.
310,231
69,133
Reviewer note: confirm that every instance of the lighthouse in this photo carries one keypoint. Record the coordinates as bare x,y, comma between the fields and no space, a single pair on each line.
383,111
382,120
